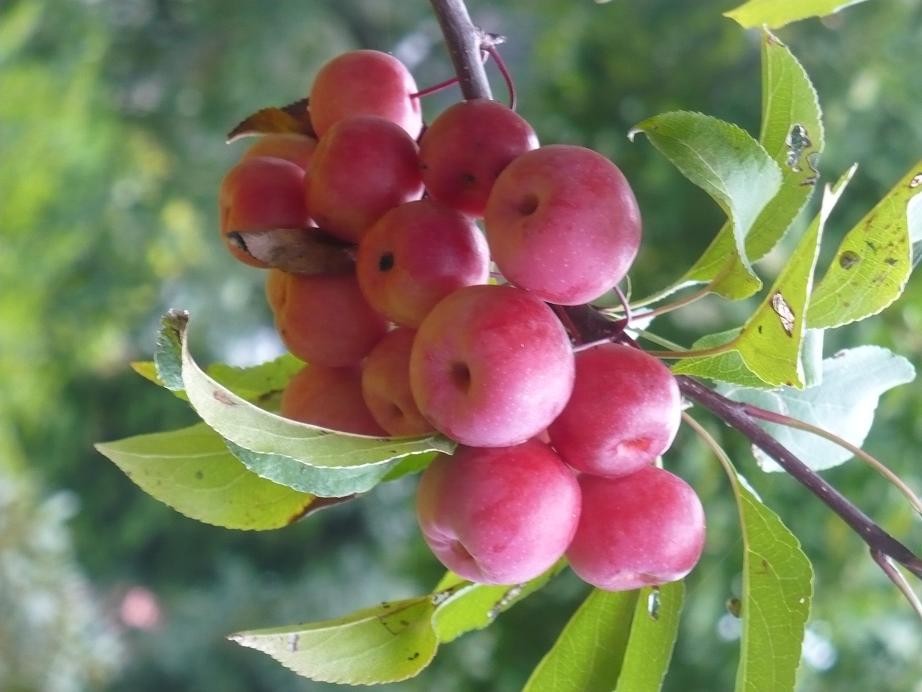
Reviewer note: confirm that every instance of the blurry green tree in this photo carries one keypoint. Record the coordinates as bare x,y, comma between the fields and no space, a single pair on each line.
111,149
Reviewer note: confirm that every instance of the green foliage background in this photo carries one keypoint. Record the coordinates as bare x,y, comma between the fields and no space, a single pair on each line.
112,117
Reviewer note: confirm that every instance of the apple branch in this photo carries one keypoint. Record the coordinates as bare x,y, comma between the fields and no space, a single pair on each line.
588,324
592,326
464,45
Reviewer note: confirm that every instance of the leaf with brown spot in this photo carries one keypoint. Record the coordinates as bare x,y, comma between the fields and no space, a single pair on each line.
772,353
873,262
293,119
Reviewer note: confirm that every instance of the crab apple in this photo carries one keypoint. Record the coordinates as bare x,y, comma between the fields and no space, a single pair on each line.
261,193
386,385
323,319
563,223
624,411
291,147
465,149
491,366
499,516
363,166
365,82
638,530
415,255
330,398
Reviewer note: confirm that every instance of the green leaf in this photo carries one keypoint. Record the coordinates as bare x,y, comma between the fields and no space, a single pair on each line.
734,169
844,404
324,481
792,134
392,641
812,357
615,641
873,263
191,471
148,370
475,606
387,643
168,353
775,602
301,456
653,634
588,653
769,344
777,13
728,368
256,382
914,216
253,383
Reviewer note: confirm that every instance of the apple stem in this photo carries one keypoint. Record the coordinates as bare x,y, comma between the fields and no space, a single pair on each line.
492,51
444,84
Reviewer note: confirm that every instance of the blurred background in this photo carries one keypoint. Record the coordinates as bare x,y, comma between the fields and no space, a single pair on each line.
112,122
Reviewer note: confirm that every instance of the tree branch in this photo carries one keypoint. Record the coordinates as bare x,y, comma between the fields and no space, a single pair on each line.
463,40
734,414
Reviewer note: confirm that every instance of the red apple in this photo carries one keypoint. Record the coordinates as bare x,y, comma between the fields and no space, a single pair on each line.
498,516
415,255
638,530
491,366
624,412
562,222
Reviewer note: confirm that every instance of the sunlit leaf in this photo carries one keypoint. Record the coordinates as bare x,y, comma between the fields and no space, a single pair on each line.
769,344
843,404
301,456
728,367
792,134
257,383
777,13
148,370
191,471
387,643
392,641
873,263
728,164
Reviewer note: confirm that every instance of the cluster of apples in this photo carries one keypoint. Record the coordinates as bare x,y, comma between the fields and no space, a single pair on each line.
557,449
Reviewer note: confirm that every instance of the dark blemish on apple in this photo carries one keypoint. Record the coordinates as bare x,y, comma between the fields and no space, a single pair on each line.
528,205
386,263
